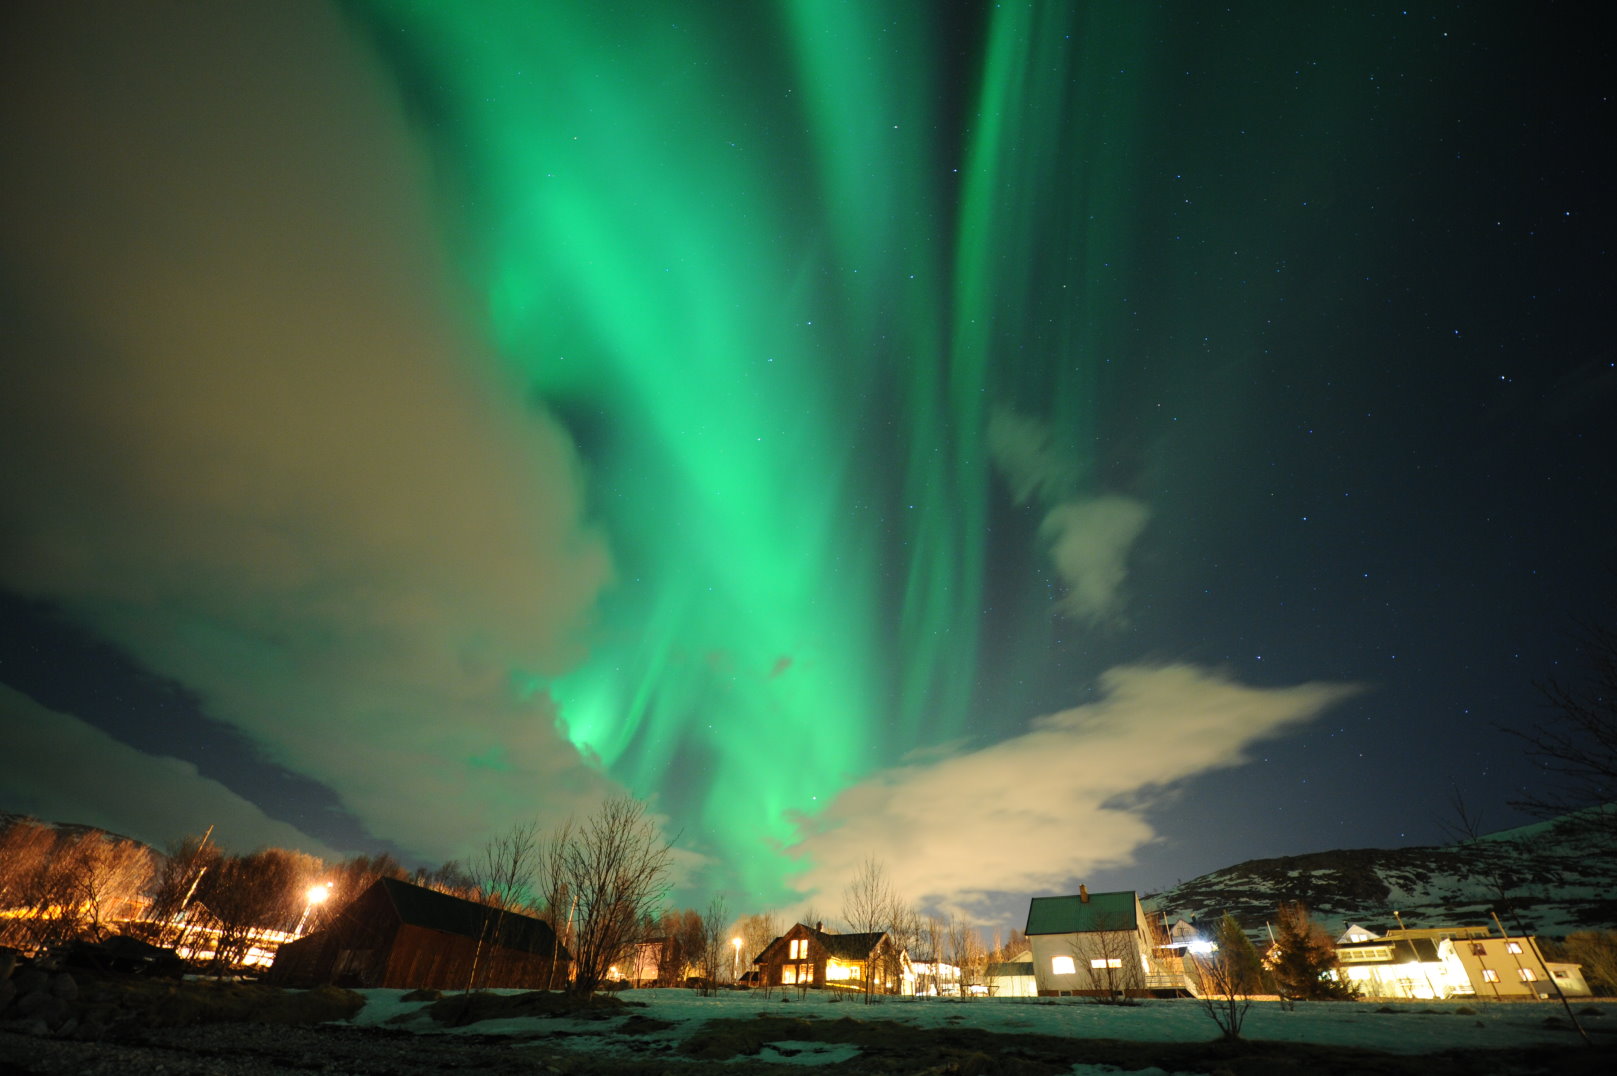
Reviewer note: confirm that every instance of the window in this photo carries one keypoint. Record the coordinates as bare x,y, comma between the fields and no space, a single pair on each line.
1062,965
1479,949
788,974
1560,974
1513,947
1106,962
1489,975
1527,974
797,949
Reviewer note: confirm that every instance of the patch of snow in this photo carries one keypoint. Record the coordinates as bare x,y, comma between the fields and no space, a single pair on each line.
794,1052
1408,1028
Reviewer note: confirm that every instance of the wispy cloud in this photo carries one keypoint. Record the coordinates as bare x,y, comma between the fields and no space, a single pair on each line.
248,436
1089,545
1089,537
1071,795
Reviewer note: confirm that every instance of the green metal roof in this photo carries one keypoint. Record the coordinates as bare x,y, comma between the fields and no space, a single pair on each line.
1073,915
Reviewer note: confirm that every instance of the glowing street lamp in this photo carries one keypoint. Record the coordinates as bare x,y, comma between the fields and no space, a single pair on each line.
317,894
735,966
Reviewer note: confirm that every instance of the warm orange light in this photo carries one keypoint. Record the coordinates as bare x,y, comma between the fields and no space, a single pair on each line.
318,893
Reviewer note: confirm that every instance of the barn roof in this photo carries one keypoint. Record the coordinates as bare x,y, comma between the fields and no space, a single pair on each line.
422,907
1075,915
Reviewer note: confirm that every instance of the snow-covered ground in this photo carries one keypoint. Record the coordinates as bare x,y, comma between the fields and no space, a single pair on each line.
1416,1027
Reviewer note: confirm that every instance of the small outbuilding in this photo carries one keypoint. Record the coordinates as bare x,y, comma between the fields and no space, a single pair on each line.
395,934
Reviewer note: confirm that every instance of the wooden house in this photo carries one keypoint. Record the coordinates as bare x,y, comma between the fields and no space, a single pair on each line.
1097,944
395,934
809,956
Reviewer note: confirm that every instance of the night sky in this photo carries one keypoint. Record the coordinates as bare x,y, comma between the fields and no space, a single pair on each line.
1030,443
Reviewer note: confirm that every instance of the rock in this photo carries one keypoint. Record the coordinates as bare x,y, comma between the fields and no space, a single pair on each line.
8,992
29,979
64,986
45,1006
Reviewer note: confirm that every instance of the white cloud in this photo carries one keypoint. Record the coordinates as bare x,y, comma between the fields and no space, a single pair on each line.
1071,795
59,769
248,436
1089,545
1089,537
1029,459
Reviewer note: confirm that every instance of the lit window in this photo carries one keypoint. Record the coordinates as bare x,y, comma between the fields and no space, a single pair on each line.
1526,974
1106,962
797,949
1489,975
788,974
1062,965
1513,947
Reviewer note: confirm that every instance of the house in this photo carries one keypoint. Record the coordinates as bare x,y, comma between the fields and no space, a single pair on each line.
1013,978
808,956
1094,944
1443,962
1515,967
395,934
643,964
935,977
1389,967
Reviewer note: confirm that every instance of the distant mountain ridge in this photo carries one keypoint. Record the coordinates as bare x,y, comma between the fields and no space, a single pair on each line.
12,818
1558,877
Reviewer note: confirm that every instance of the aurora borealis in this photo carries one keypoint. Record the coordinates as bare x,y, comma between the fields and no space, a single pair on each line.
943,429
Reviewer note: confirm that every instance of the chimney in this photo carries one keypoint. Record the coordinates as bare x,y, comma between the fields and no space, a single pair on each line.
818,925
1083,893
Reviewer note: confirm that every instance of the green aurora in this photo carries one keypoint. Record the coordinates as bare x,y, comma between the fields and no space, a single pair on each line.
776,267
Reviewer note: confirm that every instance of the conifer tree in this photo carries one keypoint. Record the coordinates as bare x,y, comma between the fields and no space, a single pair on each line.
1303,958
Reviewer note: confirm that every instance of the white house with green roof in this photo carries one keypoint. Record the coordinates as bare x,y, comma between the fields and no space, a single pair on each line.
1095,944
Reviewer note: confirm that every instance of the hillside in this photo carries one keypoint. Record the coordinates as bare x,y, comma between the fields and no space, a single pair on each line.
1554,874
74,829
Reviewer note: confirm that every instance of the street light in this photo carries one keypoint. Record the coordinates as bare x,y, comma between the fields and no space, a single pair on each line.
317,894
735,966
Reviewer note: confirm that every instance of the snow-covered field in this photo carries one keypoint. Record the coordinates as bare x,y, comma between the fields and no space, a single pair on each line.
1408,1028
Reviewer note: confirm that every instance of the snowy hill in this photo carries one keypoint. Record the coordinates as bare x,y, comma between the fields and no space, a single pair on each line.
1554,875
72,829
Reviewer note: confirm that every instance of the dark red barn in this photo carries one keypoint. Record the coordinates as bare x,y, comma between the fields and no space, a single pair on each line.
402,935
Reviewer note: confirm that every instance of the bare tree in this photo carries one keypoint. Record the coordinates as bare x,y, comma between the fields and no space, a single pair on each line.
903,935
1596,950
180,873
247,895
503,873
756,932
867,908
556,895
352,877
1227,978
449,877
680,933
1577,741
107,876
28,884
615,866
963,948
714,951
